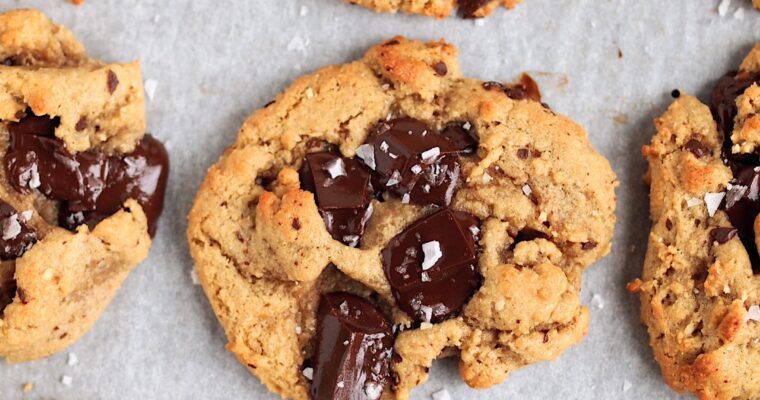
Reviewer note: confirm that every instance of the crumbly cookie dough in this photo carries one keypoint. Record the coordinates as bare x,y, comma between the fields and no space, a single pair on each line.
264,256
437,8
54,282
699,289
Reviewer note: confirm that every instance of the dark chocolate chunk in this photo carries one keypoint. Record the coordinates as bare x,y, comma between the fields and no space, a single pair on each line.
10,62
675,93
90,185
589,245
524,89
697,148
742,202
468,8
460,135
113,81
16,235
431,266
523,154
723,235
440,68
353,349
413,161
343,192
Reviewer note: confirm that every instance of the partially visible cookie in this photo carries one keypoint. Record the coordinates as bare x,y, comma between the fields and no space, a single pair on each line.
700,290
459,212
81,186
438,8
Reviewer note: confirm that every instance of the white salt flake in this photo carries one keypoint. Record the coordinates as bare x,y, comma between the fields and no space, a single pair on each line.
427,313
150,88
298,44
416,169
73,360
336,168
424,277
486,178
723,7
367,154
597,301
34,178
299,330
405,198
373,390
66,380
351,240
480,22
693,202
627,385
442,394
27,215
194,277
527,190
474,230
466,126
344,308
11,227
308,373
384,146
304,11
753,314
739,14
395,179
430,154
432,252
712,200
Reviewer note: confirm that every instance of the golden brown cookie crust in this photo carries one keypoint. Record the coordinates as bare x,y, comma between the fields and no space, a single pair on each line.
695,292
435,8
263,273
66,280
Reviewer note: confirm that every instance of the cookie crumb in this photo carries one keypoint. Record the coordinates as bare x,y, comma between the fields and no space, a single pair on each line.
597,301
627,385
73,360
150,88
28,387
66,380
442,394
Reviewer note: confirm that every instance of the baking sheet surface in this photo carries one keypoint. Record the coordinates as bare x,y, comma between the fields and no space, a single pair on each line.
609,64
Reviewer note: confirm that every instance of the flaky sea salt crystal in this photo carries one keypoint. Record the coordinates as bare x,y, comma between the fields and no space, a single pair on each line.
336,168
150,88
194,277
26,216
405,198
432,252
66,380
442,394
486,178
34,178
712,200
11,227
723,7
427,313
527,190
597,301
308,373
430,154
384,146
753,314
373,390
416,169
627,385
395,179
367,154
72,360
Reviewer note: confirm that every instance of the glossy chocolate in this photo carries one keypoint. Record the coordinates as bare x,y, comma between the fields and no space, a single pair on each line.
353,349
468,8
90,185
343,192
16,235
742,201
413,161
461,137
524,89
431,266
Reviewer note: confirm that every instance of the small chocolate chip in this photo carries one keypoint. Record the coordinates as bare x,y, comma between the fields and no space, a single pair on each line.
668,224
22,295
675,93
468,8
546,336
391,42
113,81
697,148
523,154
590,245
491,85
441,69
723,235
17,235
270,103
296,224
81,124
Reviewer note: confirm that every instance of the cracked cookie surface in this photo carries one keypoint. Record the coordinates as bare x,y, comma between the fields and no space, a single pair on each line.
80,188
437,8
699,289
529,201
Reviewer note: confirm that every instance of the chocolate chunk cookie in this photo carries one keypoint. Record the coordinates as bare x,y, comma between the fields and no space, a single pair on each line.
699,290
438,8
384,213
81,185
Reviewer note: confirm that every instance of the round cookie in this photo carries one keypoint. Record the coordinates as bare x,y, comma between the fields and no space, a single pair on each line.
462,211
699,289
438,8
81,187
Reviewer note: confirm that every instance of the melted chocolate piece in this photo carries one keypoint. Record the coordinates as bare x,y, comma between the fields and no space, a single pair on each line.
16,235
524,89
468,8
742,202
440,68
90,185
431,265
697,148
460,135
343,192
353,349
413,161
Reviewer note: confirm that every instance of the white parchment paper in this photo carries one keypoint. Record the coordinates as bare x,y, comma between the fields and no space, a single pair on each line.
215,61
